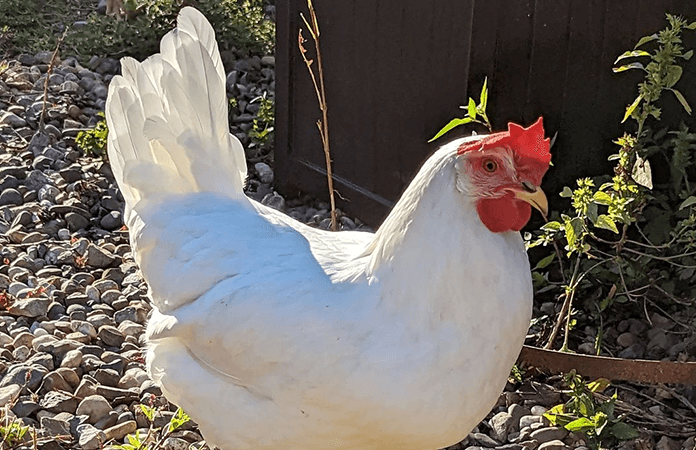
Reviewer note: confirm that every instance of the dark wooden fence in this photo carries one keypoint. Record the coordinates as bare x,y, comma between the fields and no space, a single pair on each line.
397,70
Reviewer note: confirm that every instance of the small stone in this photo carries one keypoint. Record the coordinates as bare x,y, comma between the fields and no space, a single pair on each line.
21,353
86,388
118,432
22,375
69,375
268,61
90,438
42,163
265,172
635,351
626,339
54,382
109,420
275,201
175,443
107,377
94,406
111,336
538,410
501,425
24,407
553,445
9,394
111,221
549,434
133,378
484,440
54,427
76,221
13,120
69,87
84,328
129,328
10,197
57,402
98,257
526,421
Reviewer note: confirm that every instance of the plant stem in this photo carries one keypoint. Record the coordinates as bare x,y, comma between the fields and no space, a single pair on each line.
565,309
323,123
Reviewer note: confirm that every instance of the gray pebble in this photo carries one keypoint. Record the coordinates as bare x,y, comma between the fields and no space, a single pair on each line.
10,197
90,438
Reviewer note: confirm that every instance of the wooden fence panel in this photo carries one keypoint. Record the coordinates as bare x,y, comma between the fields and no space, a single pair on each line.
397,70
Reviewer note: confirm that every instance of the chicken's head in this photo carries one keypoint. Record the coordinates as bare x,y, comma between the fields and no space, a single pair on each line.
502,173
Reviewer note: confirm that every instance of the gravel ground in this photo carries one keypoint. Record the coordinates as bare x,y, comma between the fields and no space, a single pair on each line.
73,304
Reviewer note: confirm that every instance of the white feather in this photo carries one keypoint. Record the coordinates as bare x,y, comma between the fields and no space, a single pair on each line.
272,334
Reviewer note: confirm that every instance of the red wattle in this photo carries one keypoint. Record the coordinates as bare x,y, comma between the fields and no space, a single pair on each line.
504,214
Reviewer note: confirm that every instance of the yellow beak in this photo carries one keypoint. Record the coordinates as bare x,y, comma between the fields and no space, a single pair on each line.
535,197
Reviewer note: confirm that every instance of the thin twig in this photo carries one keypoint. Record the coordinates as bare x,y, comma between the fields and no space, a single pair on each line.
323,123
48,75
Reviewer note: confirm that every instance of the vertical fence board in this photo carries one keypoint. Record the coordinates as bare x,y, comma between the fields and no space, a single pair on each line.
396,71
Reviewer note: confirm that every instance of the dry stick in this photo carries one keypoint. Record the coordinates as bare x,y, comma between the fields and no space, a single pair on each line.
323,123
48,75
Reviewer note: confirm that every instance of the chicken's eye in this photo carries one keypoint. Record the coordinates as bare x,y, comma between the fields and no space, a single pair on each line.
490,166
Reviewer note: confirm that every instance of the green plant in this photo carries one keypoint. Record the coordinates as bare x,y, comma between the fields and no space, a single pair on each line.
262,129
583,413
12,433
138,442
33,26
474,111
93,141
626,240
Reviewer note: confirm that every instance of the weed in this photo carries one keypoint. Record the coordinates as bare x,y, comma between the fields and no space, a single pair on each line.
583,413
263,126
628,238
93,141
475,113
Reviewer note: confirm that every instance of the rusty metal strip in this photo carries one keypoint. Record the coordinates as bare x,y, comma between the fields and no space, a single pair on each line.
636,370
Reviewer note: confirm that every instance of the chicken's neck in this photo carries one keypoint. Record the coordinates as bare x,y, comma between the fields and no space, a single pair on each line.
433,245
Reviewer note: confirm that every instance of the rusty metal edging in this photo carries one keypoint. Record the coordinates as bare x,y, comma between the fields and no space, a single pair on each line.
636,370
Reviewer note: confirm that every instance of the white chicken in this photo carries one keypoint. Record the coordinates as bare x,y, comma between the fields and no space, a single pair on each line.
274,335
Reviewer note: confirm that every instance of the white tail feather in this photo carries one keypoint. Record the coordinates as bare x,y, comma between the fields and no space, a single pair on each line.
167,118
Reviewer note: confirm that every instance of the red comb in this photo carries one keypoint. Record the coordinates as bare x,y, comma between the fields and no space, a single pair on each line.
525,142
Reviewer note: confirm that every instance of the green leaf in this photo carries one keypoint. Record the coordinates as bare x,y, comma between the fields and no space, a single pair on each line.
673,75
545,262
602,198
452,124
551,226
592,212
581,424
598,385
484,95
178,420
605,222
691,26
688,202
601,420
567,192
631,54
134,440
149,412
646,39
471,109
687,56
642,174
682,100
632,107
623,431
635,65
